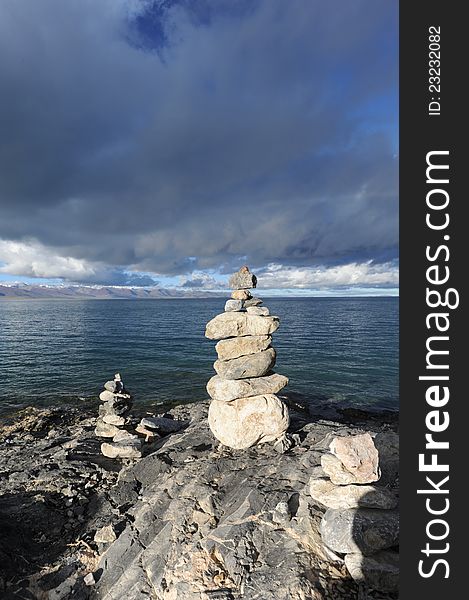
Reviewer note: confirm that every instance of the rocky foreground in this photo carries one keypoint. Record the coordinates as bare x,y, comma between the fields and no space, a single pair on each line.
191,519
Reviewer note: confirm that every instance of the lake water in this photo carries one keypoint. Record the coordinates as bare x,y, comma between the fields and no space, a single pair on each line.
343,351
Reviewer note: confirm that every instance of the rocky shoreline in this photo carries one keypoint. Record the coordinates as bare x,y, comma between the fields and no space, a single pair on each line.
189,520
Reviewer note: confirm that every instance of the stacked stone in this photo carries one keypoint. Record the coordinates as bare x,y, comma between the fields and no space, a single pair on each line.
360,521
245,410
116,404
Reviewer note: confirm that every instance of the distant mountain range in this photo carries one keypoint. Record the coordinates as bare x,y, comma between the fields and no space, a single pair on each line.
98,292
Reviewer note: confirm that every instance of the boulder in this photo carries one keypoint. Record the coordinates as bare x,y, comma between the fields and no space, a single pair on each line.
226,390
105,535
351,496
359,456
362,530
248,421
253,365
241,346
261,311
243,280
241,295
124,449
231,324
233,305
380,571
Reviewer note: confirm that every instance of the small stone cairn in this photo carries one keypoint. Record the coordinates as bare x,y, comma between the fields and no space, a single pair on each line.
361,521
112,422
245,410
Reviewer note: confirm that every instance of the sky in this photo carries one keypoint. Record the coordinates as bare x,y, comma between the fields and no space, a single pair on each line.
169,142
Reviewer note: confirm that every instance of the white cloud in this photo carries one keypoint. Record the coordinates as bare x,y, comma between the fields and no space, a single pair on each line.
365,274
32,259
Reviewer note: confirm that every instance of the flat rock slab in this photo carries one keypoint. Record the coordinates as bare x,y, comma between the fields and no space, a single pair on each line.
253,365
253,302
248,421
351,496
380,571
123,449
226,390
242,346
359,456
261,311
362,530
232,324
105,430
162,424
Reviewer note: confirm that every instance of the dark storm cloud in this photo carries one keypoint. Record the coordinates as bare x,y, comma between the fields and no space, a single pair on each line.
169,137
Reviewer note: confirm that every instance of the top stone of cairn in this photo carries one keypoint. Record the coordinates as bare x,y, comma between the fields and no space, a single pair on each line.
243,279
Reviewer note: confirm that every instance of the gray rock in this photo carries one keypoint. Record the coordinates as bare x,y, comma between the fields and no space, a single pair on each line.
363,530
105,430
226,390
252,302
233,305
261,311
242,280
105,535
248,421
253,365
380,571
124,449
232,324
359,456
242,346
351,496
163,424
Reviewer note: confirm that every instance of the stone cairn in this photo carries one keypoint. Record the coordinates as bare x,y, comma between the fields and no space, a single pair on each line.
360,522
245,410
112,422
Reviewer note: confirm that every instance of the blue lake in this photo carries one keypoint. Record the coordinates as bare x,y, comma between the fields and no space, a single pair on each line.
339,350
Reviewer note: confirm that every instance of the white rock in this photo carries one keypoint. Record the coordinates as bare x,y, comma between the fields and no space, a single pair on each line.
261,311
226,390
231,324
248,421
105,535
359,456
241,346
127,449
114,420
123,435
